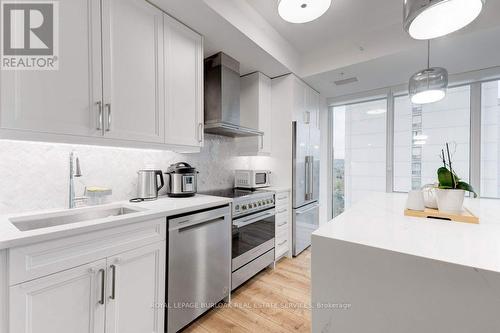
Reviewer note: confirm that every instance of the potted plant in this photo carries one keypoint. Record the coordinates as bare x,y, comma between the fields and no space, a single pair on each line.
451,189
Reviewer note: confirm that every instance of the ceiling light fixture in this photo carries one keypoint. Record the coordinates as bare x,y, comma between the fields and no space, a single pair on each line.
428,85
428,19
302,11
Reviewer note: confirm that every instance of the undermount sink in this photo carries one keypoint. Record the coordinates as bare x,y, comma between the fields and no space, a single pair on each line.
27,223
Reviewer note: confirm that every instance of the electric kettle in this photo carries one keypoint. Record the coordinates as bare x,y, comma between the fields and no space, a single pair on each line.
147,184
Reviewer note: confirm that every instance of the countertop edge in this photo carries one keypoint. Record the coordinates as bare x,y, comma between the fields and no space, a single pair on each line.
25,238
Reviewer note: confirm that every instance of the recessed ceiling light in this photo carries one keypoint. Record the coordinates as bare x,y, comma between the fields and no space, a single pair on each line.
420,143
302,11
428,19
376,111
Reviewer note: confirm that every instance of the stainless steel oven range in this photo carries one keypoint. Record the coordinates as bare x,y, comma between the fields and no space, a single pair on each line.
253,231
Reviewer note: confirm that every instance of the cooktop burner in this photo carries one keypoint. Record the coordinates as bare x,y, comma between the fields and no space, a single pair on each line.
233,193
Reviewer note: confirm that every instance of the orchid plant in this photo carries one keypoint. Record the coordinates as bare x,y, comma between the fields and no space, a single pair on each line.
447,177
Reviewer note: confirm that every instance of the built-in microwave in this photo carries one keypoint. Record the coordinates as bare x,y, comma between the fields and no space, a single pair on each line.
252,178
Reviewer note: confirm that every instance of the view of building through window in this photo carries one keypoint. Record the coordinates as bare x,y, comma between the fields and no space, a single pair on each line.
421,131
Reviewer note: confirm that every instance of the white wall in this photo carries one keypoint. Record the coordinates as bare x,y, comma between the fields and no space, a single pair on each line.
35,175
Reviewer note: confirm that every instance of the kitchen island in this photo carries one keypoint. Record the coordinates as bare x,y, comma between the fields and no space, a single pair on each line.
376,270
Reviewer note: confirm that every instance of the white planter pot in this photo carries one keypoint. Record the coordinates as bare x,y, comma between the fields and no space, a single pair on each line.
450,201
429,193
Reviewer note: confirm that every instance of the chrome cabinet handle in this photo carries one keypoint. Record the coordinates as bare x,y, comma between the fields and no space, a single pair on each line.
99,120
262,142
108,126
113,282
281,211
200,132
283,242
103,273
282,224
282,198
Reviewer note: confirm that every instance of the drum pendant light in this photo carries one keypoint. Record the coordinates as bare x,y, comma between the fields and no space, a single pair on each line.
428,19
428,85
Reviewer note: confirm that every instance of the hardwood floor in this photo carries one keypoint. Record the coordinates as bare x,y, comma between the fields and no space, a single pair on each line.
273,301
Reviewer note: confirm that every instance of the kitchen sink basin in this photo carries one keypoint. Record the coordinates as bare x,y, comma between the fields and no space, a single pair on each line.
27,223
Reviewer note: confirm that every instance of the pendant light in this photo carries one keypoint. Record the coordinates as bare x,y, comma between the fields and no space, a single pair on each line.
302,11
428,19
428,85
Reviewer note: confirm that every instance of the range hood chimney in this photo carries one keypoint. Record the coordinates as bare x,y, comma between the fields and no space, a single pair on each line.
222,97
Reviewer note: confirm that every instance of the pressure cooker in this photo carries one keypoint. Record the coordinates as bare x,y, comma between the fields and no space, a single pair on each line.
181,180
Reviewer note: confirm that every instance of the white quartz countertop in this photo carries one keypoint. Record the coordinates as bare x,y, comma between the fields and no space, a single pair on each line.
378,221
10,236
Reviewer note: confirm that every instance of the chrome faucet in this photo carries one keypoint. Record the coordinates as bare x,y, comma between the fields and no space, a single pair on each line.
74,171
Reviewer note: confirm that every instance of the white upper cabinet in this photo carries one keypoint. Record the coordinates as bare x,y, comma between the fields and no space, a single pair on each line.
255,112
183,84
129,75
69,301
312,106
62,101
133,71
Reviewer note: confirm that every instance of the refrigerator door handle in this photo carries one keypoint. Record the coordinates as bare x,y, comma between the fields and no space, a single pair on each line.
311,177
306,179
302,211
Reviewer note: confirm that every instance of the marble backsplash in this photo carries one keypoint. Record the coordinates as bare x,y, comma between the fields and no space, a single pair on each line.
35,176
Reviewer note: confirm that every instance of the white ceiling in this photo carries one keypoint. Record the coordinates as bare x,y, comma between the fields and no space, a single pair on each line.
361,37
353,31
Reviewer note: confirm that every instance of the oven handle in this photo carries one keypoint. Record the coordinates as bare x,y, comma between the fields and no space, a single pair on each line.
252,219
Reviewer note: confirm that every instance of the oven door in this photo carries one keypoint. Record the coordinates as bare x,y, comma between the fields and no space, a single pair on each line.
253,235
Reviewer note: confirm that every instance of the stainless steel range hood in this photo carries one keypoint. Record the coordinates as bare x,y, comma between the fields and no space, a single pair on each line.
222,97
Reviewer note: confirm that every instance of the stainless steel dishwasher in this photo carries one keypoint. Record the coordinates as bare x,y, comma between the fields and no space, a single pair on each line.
199,264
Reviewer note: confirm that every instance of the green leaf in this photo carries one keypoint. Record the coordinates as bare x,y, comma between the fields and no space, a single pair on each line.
444,177
466,187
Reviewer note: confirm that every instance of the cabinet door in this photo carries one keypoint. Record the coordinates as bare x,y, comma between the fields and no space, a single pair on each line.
133,70
69,301
183,85
265,116
62,101
299,97
312,106
136,290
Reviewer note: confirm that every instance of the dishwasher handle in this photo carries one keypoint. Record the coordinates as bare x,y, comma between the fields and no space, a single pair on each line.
191,220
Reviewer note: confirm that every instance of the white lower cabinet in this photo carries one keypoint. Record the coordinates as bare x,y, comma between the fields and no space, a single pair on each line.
120,292
283,224
68,301
136,289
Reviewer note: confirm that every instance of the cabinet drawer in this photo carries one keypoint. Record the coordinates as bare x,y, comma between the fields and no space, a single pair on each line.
282,199
281,234
282,210
281,248
41,259
281,221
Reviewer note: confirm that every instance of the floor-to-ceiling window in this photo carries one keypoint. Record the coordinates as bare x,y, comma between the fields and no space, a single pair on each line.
360,162
359,153
490,139
420,133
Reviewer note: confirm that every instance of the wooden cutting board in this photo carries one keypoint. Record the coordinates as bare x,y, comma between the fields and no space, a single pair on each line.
465,216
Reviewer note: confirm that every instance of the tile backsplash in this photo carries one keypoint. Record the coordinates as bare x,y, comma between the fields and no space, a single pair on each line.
35,175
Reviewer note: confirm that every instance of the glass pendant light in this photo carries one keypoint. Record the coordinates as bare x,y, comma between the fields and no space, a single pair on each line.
302,11
428,19
428,85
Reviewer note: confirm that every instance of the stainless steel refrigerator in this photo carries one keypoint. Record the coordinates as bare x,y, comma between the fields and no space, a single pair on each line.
306,157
